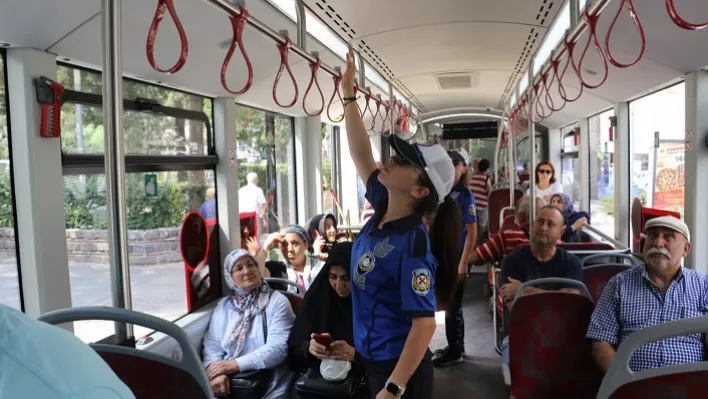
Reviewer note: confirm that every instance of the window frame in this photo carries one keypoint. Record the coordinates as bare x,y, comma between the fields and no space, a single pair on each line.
5,80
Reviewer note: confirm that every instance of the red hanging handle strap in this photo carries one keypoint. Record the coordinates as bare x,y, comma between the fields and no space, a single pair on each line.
284,50
376,114
337,80
679,21
570,47
640,30
385,118
538,104
162,6
237,24
314,68
591,21
367,97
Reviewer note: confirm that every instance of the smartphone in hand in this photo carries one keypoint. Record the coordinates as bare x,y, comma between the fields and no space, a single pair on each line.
324,339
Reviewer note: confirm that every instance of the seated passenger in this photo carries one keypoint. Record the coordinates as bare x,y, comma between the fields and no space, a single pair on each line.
506,241
38,360
644,296
326,310
322,229
299,265
574,220
248,331
541,259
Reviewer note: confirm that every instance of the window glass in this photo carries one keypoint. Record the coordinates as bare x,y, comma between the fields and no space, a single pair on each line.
157,199
156,267
657,134
602,173
82,127
9,276
553,37
481,149
523,157
328,169
570,166
265,147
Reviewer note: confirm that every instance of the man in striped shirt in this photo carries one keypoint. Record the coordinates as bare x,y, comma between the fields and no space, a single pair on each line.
507,241
480,184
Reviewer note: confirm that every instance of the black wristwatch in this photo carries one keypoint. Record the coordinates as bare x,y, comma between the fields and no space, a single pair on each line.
395,389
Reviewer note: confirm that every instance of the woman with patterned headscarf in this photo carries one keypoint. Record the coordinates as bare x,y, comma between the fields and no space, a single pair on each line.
298,265
574,220
248,332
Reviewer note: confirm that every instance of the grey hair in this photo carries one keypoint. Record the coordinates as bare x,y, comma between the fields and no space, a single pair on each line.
523,206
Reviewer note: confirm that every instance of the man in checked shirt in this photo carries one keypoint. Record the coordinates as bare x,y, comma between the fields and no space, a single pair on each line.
656,293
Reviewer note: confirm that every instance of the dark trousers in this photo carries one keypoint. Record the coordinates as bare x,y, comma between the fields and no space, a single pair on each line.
420,386
455,324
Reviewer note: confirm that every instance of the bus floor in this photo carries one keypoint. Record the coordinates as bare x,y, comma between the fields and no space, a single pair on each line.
479,376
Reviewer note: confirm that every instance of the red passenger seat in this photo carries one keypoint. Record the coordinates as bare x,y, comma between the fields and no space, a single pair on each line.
509,223
597,277
548,354
685,381
295,301
499,199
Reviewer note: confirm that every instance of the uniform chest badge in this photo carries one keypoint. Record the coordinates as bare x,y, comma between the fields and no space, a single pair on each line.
421,281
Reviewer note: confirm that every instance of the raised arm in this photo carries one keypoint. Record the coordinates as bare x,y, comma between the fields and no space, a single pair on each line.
357,137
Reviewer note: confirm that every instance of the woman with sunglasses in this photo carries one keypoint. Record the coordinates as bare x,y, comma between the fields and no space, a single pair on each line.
400,274
546,183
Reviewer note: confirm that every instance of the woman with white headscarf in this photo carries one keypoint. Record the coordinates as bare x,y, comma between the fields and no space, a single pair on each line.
248,333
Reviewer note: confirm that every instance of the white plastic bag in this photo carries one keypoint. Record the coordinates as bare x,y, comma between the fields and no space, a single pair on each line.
334,370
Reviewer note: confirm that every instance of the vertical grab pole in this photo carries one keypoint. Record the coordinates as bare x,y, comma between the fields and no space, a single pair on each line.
115,161
391,103
301,25
532,149
500,132
574,12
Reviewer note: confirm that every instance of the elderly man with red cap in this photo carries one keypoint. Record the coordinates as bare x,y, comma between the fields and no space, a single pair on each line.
658,292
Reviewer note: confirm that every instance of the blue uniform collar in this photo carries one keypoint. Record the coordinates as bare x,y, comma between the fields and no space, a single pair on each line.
401,225
460,186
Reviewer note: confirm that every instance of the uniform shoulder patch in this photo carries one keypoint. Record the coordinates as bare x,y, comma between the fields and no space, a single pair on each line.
472,209
421,281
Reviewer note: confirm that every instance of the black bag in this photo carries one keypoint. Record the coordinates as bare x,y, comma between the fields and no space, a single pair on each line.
251,384
312,383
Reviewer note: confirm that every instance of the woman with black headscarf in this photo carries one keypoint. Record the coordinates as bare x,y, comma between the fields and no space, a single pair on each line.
323,234
326,311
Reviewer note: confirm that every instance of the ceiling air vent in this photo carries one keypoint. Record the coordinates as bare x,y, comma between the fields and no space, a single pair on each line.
457,81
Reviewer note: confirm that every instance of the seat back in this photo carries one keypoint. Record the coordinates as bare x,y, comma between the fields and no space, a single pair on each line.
548,354
143,371
603,259
596,277
685,381
583,249
498,199
282,284
509,223
295,301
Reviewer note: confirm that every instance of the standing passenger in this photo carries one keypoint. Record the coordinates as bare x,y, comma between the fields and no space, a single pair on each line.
481,186
454,320
252,199
397,280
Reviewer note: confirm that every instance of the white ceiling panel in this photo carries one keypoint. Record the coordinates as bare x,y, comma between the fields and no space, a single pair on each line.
40,23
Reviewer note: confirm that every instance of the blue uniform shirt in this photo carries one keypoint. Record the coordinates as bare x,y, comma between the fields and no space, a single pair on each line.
465,200
393,276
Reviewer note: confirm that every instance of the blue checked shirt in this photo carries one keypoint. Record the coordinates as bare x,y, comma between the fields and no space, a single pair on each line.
631,302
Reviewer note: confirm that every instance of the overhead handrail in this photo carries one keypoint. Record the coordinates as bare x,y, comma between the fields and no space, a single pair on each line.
189,362
679,21
640,30
620,373
378,109
162,7
591,20
284,49
570,49
553,280
238,23
337,80
314,68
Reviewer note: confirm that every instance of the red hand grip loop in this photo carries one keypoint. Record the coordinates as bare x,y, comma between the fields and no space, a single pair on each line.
378,109
237,24
548,97
162,6
284,49
591,21
367,97
538,104
337,81
314,68
383,122
679,21
570,47
640,30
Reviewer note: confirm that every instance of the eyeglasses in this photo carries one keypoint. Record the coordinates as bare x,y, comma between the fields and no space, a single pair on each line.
546,171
